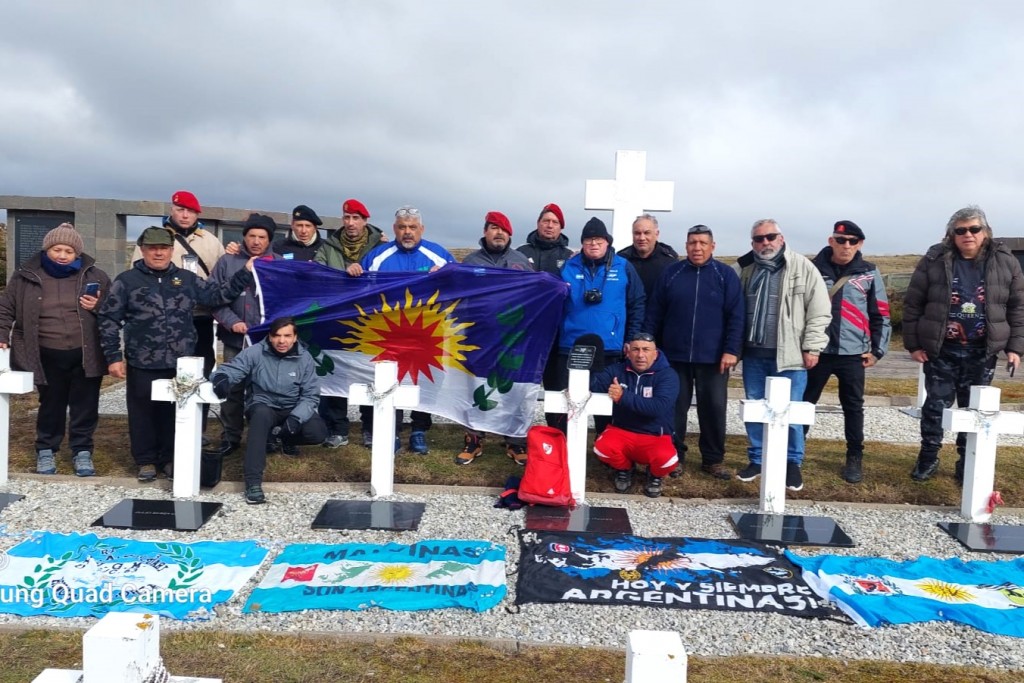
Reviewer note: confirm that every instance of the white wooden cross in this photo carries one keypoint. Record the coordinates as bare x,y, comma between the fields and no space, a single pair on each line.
984,422
629,195
777,412
123,647
655,656
385,395
188,420
580,404
11,382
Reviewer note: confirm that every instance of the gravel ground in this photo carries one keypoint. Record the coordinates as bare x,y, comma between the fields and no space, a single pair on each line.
898,532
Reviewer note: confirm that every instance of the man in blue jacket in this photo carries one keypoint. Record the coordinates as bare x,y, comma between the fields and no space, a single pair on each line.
643,389
408,253
696,312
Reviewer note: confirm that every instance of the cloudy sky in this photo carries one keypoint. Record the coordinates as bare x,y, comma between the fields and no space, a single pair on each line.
892,114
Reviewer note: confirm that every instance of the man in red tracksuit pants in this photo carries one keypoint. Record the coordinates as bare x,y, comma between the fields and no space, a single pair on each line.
643,388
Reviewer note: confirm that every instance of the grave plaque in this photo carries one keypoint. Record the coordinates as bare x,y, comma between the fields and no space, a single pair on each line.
582,518
987,538
8,498
790,530
30,227
146,514
369,514
581,357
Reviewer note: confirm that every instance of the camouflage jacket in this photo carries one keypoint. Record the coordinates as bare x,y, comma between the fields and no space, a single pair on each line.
155,311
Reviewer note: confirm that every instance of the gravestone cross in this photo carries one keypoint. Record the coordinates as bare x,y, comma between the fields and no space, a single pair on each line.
11,382
189,390
777,412
579,404
984,422
655,656
385,395
629,195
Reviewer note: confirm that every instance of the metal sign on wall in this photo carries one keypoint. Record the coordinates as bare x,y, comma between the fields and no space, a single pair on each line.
30,227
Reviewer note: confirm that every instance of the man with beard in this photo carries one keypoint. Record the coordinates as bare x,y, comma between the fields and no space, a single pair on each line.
648,255
787,313
303,240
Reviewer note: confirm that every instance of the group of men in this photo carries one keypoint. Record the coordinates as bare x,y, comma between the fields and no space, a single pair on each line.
670,328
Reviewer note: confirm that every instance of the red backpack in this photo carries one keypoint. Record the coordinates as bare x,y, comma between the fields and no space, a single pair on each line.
546,480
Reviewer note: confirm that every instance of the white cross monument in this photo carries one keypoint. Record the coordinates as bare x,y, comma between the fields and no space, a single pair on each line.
580,404
189,390
385,395
11,382
984,422
655,656
123,647
777,412
629,195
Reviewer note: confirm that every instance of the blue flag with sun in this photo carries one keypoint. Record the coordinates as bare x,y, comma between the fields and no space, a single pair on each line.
474,340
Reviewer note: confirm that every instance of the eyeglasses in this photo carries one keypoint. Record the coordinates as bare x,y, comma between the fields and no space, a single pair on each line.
698,230
852,241
643,336
765,238
407,211
973,229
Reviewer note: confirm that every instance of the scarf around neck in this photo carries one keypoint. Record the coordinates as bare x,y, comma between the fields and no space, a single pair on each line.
59,270
760,283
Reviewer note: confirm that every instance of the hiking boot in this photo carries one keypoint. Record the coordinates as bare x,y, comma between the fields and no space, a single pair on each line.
853,472
82,463
677,472
623,480
924,469
147,473
958,471
367,439
289,448
517,453
227,448
652,489
254,495
418,443
473,449
794,478
336,441
718,471
749,473
167,469
46,462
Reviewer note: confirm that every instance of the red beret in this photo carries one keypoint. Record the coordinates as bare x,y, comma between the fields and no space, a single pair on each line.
355,206
186,199
555,209
499,219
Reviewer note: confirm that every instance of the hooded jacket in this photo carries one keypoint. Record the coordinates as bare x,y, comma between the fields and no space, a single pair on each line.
860,308
618,315
545,255
282,382
648,399
509,258
332,254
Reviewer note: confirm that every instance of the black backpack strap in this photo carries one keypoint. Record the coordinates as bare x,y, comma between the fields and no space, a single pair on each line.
192,252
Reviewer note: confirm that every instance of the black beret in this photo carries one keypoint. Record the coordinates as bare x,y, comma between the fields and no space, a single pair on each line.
304,213
848,228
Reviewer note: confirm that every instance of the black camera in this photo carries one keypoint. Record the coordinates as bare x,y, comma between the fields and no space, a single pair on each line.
593,296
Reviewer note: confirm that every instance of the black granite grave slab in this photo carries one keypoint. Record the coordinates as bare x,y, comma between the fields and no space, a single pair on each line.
790,530
369,514
987,538
583,518
8,498
142,513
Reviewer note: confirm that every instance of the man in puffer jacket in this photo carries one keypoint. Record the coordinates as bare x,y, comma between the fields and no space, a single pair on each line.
643,388
964,305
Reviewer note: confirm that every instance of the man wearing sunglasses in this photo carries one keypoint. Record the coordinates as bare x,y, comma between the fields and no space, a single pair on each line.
964,305
787,314
858,335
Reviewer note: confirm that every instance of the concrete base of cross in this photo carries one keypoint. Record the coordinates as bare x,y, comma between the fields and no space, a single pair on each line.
655,656
124,647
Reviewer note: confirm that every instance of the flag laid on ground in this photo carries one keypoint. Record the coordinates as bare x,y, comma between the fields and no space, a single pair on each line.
82,575
986,595
355,576
689,573
475,340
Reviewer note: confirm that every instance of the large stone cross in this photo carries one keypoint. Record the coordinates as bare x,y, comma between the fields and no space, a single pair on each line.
385,395
580,404
11,382
777,412
189,390
984,422
629,195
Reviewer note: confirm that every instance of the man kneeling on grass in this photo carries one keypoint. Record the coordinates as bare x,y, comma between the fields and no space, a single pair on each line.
281,397
643,388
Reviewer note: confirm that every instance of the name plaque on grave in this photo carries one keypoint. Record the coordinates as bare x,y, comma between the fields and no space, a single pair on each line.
31,227
582,357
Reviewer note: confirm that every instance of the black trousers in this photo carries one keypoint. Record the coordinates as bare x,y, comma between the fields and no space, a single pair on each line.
68,393
150,423
849,371
712,389
262,420
560,421
232,410
947,378
334,412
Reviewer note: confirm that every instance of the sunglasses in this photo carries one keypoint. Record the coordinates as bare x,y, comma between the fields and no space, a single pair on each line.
974,230
699,230
765,238
407,211
642,336
852,241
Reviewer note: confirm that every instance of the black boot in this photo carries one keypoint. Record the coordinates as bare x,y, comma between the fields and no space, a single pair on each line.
853,471
924,469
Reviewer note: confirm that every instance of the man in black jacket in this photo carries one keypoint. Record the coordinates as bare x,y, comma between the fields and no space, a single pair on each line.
649,256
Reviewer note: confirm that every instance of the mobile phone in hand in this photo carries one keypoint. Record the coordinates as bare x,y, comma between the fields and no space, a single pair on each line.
1010,367
92,288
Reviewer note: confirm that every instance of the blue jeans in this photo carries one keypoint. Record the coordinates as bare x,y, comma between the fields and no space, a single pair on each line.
755,373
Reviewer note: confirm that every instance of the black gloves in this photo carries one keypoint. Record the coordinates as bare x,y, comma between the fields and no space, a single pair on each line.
292,426
221,386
